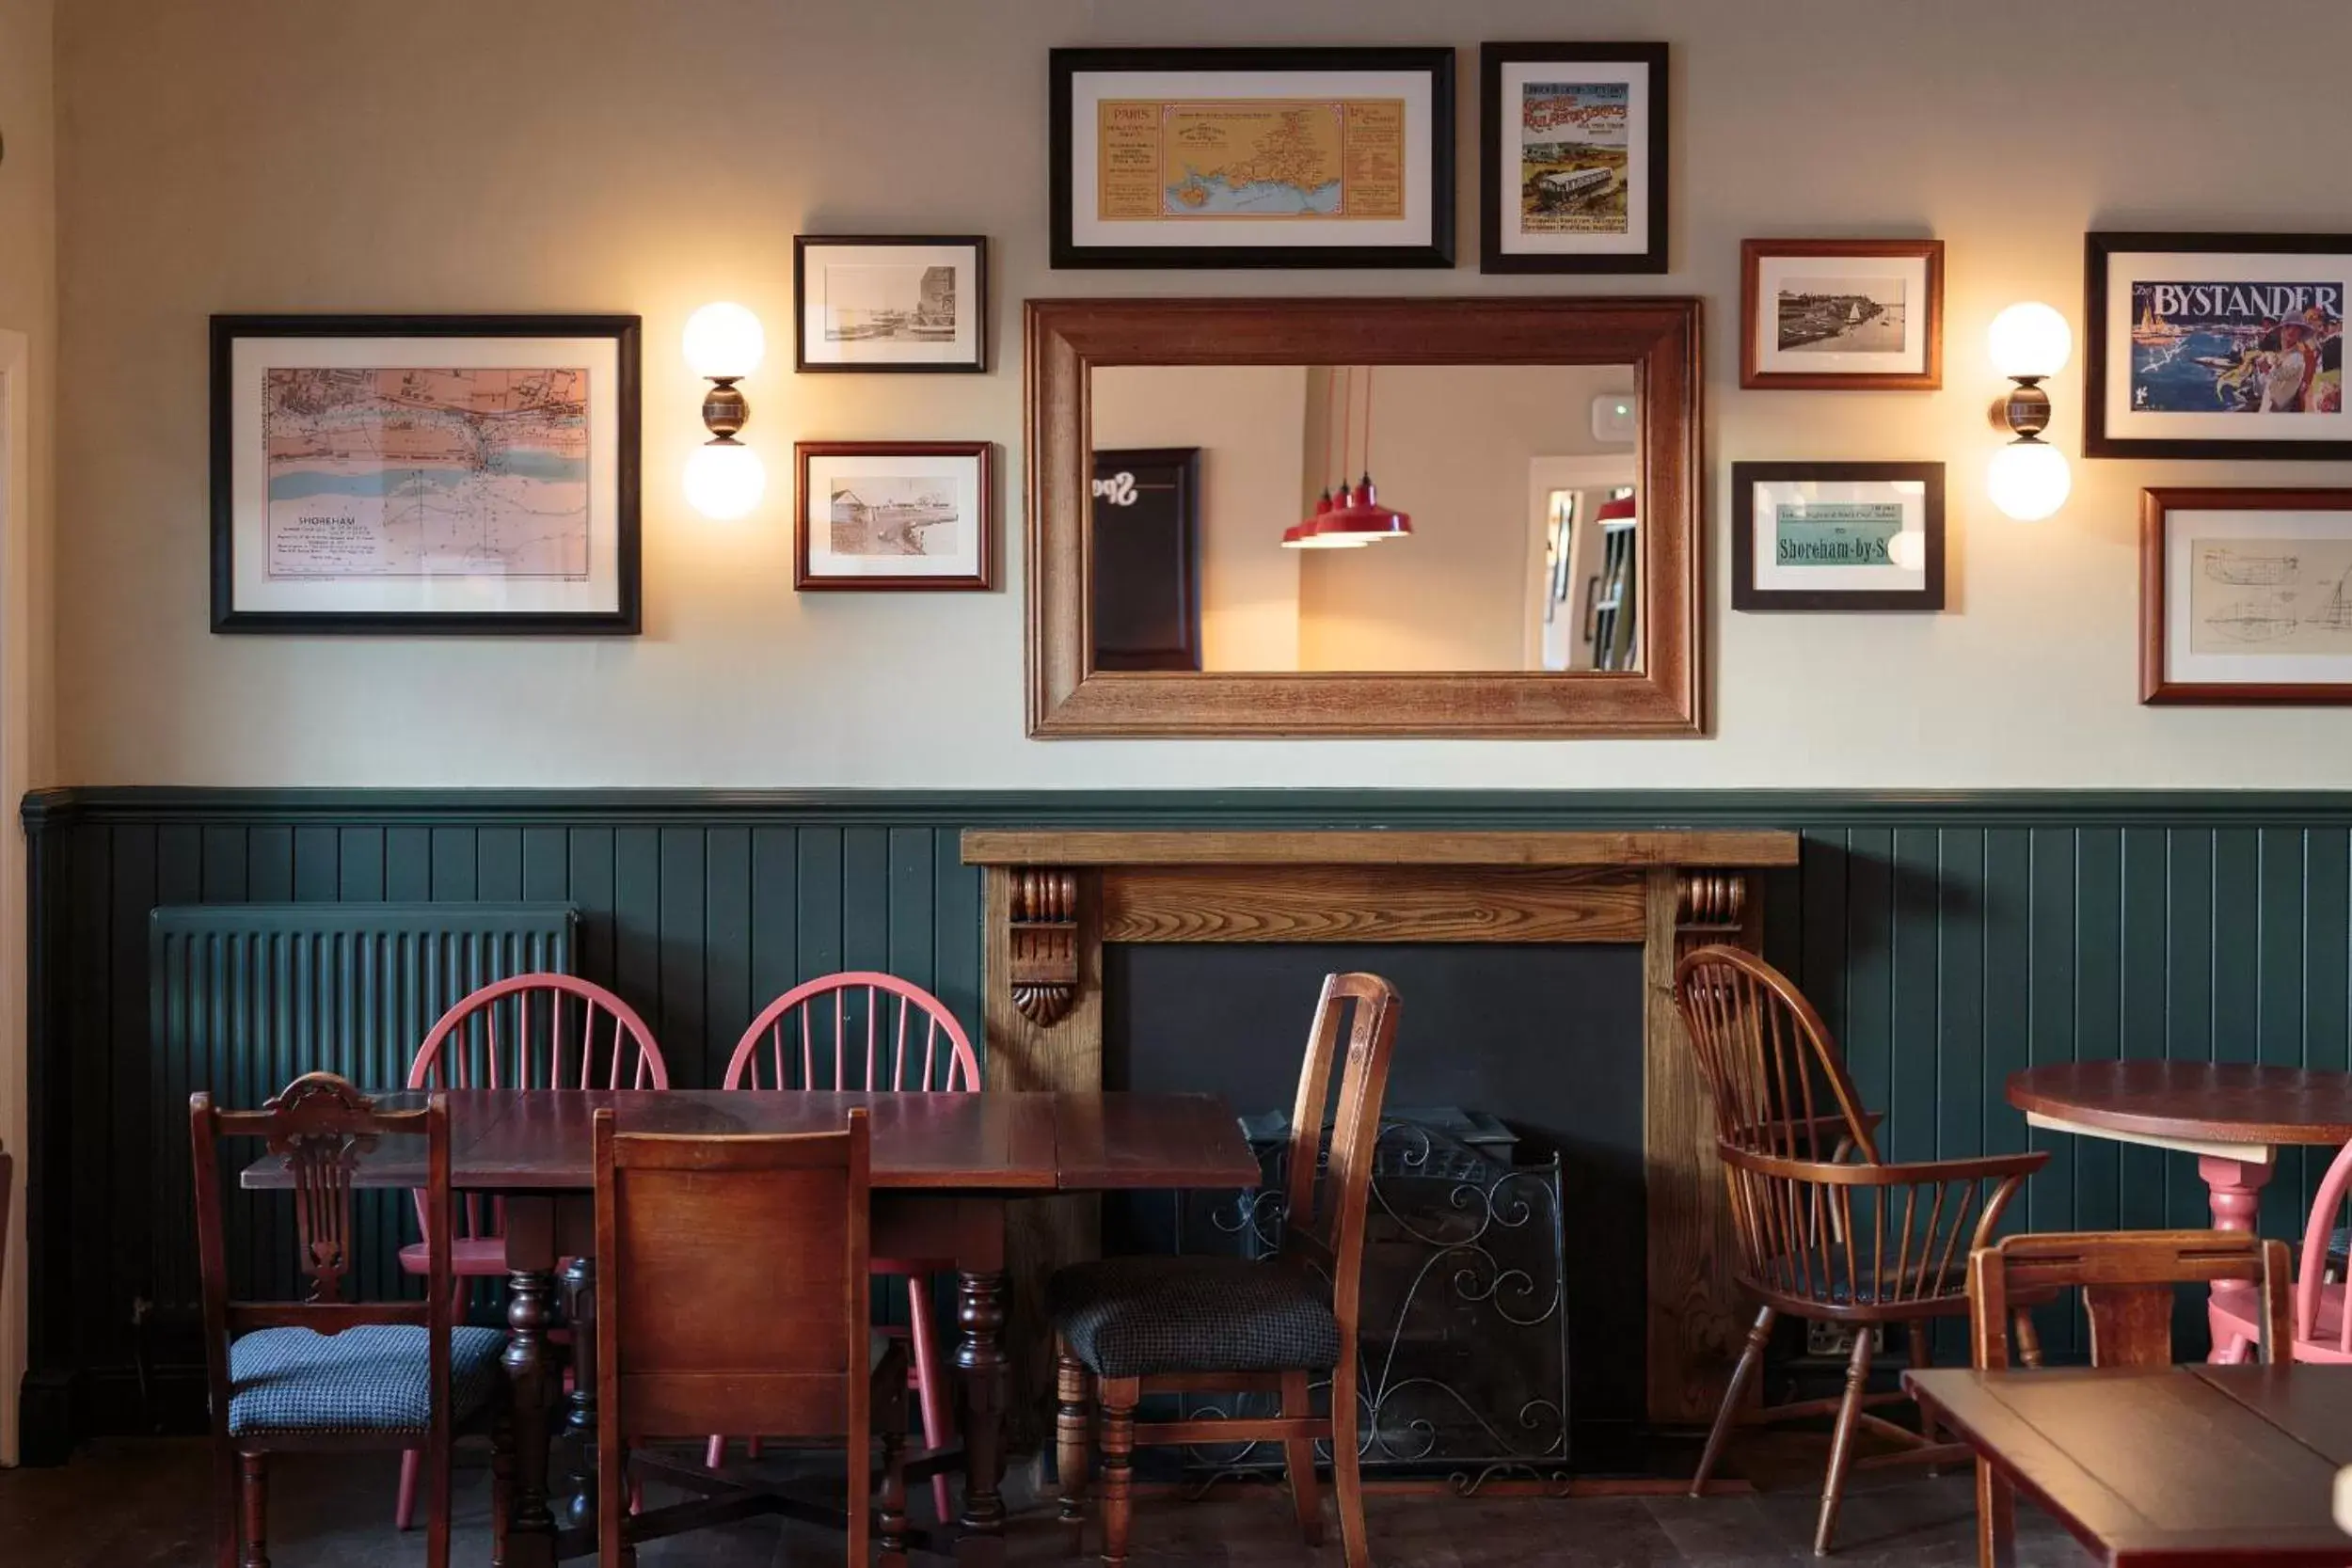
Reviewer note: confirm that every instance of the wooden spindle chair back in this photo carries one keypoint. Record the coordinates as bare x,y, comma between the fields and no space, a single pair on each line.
704,1245
2128,1280
320,1126
1328,1193
2331,1211
860,1029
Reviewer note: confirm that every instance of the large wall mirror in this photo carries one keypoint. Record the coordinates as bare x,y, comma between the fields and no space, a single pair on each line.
1526,564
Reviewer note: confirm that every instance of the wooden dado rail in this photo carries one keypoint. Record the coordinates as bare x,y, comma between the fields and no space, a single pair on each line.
1053,898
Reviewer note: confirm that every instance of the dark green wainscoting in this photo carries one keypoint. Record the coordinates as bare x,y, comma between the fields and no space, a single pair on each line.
1950,938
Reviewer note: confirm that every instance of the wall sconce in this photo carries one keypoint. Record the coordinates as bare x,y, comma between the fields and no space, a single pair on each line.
725,479
2028,479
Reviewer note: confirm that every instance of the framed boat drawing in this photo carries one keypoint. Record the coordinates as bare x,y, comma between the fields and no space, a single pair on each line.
453,475
2246,597
1307,157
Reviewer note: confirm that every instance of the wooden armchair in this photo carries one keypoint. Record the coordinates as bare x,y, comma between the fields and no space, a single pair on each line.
1826,1229
2127,1279
328,1373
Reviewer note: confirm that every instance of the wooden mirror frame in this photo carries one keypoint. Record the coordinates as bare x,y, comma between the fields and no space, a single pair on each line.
1067,339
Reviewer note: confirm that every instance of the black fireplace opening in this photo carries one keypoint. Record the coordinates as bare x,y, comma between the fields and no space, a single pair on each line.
1506,1266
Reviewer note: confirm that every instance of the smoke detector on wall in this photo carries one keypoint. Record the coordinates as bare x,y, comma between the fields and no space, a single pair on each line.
1616,416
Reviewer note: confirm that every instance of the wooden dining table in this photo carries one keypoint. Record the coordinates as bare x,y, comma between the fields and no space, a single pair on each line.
2187,1466
945,1168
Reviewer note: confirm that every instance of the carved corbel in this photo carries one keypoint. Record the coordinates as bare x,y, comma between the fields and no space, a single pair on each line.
1044,943
1710,906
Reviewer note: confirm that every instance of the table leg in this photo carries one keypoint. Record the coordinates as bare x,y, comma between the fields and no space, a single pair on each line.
579,1420
530,1378
980,1358
2234,1189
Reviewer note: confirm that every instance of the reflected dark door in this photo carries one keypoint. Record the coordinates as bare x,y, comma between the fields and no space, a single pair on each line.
1147,559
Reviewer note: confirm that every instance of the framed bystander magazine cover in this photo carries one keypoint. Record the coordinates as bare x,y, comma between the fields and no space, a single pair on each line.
424,474
2246,597
1841,315
1572,157
2216,345
1306,157
1838,536
885,303
894,516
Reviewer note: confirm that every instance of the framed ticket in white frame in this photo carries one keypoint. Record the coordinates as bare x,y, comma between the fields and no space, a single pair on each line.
1572,162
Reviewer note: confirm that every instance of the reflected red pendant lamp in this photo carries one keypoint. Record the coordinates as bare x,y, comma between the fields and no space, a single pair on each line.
1312,533
1359,516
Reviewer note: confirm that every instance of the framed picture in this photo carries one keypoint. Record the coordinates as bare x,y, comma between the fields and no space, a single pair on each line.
424,474
881,303
2246,597
893,515
1841,315
1572,164
2216,345
1835,536
1147,559
1252,157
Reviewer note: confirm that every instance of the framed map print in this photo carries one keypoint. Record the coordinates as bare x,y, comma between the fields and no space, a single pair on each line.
880,303
894,516
1838,536
2216,345
1252,157
2246,597
424,474
1573,157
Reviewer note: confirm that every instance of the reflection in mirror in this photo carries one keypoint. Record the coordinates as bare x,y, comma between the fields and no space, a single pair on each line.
1502,509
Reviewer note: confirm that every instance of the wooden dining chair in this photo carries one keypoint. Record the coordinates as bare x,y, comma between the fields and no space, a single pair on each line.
2127,1279
2321,1325
1126,1327
706,1245
539,1031
329,1372
855,1030
1826,1229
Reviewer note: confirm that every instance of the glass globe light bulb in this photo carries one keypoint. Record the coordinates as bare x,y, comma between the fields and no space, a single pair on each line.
724,341
2030,341
1907,550
2028,480
724,480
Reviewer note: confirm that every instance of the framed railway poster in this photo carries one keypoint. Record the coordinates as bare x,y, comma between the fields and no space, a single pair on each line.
1572,157
2246,597
894,516
2216,345
1307,157
424,474
1841,315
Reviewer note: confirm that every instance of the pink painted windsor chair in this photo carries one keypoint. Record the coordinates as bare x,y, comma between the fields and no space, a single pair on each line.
527,1032
789,1047
2323,1306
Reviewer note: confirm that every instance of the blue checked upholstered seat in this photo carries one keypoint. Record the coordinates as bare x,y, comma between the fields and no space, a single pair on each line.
1138,1317
367,1379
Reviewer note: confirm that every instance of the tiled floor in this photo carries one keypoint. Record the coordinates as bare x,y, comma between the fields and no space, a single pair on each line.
124,1504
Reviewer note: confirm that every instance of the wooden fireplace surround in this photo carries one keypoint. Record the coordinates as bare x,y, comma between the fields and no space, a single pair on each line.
1053,899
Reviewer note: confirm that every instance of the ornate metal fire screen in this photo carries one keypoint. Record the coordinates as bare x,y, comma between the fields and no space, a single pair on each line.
1464,1358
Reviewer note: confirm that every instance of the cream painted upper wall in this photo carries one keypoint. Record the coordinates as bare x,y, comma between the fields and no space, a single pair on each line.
558,154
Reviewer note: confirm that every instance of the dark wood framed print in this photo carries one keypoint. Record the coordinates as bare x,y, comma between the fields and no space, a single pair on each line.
1308,157
1838,536
1841,315
1147,559
453,475
2216,345
1572,157
894,516
2246,597
880,302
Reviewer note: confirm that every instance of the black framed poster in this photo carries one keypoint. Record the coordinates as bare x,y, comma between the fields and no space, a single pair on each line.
1147,559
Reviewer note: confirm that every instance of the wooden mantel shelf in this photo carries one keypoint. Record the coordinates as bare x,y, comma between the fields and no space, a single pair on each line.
1739,849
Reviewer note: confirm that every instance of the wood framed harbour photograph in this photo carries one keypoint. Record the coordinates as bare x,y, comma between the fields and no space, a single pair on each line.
1841,315
1296,157
1838,536
1146,558
1572,157
450,475
2216,345
878,302
2246,597
894,516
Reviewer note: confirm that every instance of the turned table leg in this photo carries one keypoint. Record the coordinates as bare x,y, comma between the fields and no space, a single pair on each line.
530,1377
2234,1188
980,1358
579,1420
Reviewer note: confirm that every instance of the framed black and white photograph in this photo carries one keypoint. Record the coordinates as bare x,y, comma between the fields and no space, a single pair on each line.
894,516
1572,161
885,303
1841,315
2216,345
1838,536
1299,157
424,474
1147,559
